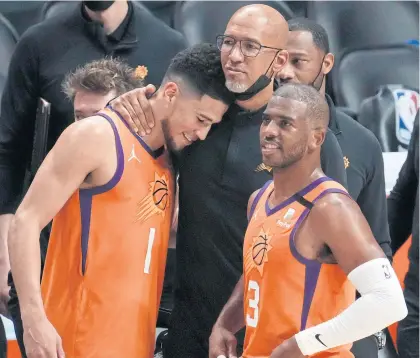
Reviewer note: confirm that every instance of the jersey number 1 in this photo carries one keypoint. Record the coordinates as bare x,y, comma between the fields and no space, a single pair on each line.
253,303
148,258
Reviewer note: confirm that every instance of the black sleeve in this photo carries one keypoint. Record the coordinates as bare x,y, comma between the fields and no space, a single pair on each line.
401,201
372,199
17,121
332,159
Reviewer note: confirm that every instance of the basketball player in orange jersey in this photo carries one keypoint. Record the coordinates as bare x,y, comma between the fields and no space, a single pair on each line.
307,248
110,193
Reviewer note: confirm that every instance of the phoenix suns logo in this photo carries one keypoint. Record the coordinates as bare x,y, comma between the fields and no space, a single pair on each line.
257,254
156,201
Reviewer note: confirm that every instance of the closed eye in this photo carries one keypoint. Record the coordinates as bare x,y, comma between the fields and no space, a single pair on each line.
266,119
203,122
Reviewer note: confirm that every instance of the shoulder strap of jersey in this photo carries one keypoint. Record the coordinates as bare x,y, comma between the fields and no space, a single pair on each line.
258,197
321,187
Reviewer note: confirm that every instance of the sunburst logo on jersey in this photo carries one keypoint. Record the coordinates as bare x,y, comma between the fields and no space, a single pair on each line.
257,254
156,200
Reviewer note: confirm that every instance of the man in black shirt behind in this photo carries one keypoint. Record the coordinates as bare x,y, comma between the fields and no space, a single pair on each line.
46,52
217,176
309,63
403,216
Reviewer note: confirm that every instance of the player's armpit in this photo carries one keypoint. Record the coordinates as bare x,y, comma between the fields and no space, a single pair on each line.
251,201
82,148
78,152
336,220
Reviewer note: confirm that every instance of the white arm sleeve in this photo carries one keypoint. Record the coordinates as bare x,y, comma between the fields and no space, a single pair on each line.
380,305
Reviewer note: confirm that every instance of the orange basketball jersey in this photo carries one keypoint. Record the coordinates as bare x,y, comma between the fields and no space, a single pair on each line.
284,292
105,263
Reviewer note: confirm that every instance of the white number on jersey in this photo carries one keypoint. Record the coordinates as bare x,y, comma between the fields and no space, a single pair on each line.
149,250
253,303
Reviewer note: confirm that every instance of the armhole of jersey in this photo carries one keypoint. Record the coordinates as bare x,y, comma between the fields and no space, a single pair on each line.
257,198
308,207
120,163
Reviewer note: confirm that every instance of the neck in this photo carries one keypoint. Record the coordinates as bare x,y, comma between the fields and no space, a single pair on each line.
155,139
288,181
322,89
261,99
112,17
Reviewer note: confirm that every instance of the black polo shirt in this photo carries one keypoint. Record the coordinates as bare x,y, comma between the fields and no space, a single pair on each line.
217,177
403,210
365,172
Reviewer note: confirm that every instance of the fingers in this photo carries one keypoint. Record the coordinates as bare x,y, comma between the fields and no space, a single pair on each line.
150,89
124,108
148,120
141,107
135,109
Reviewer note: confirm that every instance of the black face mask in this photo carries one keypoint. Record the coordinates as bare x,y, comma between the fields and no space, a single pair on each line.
262,82
98,5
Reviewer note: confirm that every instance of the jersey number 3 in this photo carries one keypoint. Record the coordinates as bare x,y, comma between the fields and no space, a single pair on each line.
253,303
148,258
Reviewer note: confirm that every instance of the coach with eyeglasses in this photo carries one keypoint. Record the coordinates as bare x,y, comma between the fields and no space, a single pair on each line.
218,175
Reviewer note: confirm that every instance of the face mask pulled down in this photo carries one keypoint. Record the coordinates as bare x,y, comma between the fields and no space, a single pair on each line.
262,82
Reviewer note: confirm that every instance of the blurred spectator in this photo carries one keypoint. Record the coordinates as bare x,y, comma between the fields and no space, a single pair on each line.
92,86
309,63
403,217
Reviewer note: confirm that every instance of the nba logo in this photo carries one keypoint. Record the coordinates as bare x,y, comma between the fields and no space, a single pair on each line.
289,214
406,107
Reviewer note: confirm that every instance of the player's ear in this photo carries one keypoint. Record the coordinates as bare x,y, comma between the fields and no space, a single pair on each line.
281,60
170,92
328,63
317,138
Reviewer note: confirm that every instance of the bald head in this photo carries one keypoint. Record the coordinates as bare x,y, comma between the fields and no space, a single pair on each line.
253,45
273,26
317,110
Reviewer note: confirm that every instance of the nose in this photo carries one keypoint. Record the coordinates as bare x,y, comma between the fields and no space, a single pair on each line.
202,133
286,73
235,54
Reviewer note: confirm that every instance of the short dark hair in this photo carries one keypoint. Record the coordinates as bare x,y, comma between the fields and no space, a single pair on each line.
199,67
319,34
102,76
317,107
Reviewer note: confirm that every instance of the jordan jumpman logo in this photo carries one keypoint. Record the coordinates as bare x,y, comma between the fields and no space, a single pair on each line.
133,155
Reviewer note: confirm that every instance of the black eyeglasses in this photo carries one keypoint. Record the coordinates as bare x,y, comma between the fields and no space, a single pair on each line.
248,48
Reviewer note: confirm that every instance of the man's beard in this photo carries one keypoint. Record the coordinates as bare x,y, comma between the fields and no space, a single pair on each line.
295,154
235,87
